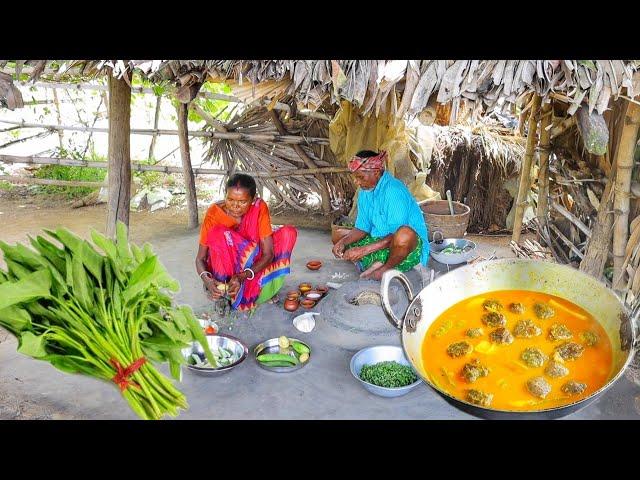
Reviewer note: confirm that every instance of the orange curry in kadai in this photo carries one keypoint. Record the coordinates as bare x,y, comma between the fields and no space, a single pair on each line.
517,350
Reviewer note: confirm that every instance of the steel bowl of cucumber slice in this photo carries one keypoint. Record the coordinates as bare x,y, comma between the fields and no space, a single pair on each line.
282,354
228,351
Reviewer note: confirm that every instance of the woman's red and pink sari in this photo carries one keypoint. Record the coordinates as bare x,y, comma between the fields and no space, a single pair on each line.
231,250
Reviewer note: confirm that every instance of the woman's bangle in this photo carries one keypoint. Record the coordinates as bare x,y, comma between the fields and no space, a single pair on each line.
206,273
253,274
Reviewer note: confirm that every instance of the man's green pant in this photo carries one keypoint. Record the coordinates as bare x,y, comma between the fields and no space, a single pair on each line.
382,256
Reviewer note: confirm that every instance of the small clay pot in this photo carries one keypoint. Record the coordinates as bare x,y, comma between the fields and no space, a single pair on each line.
291,305
314,265
306,303
304,287
323,289
293,295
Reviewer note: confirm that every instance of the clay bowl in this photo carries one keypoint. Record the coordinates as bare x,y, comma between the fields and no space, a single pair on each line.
314,265
306,303
293,295
313,295
304,287
323,289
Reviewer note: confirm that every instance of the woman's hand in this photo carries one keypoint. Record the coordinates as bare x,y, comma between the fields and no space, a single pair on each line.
212,287
338,249
233,287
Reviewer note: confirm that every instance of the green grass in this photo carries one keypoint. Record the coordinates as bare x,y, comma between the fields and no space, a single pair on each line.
6,186
151,179
61,172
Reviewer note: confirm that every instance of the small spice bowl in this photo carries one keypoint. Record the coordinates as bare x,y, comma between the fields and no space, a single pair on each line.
293,295
314,265
304,287
313,295
323,289
307,303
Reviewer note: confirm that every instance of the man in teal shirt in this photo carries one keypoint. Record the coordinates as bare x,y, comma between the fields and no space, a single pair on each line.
390,231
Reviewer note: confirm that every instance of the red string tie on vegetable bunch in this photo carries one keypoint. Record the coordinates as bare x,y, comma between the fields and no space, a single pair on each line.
121,378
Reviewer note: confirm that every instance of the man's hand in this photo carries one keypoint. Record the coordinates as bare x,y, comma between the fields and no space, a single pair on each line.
354,254
338,249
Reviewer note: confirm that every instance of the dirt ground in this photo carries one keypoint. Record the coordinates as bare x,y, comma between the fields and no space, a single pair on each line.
30,390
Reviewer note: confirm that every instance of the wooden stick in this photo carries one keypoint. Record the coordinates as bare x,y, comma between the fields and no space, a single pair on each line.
24,139
249,137
216,124
143,167
559,249
567,242
543,172
572,218
58,119
563,126
156,119
190,184
47,181
118,202
624,158
525,172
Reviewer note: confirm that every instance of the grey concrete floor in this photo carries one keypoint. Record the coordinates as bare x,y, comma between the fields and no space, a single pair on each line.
324,389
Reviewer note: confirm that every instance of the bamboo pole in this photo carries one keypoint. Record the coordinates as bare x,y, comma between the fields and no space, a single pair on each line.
143,167
525,172
47,181
624,156
201,94
156,118
119,176
187,170
543,172
250,137
322,181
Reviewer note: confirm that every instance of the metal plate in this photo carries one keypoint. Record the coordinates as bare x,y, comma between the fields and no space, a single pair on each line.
216,341
272,346
453,258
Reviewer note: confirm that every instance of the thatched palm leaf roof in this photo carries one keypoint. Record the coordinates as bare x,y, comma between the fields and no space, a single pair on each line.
367,83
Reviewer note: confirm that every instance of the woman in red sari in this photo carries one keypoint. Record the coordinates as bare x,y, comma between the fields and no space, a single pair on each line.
240,256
